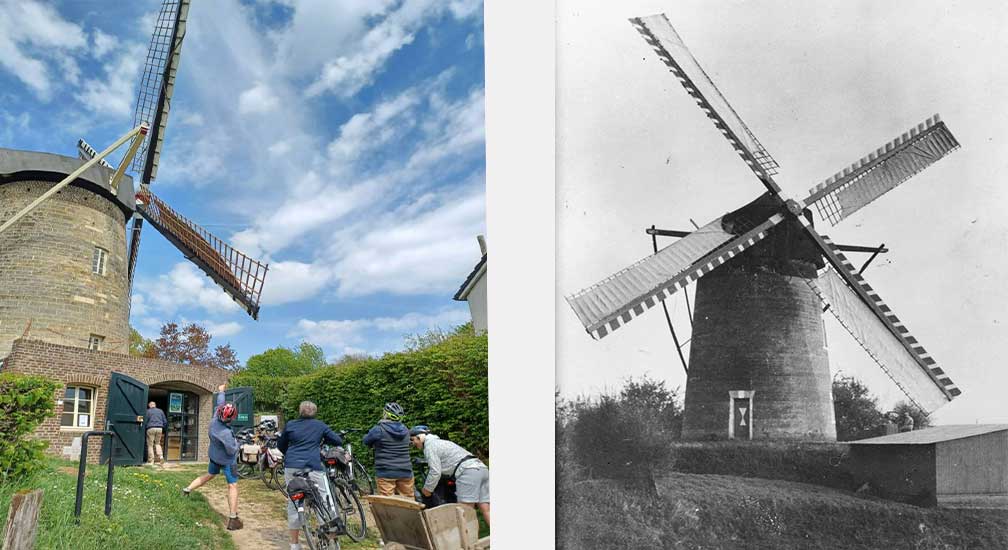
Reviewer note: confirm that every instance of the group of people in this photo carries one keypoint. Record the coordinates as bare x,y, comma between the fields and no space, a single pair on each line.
390,439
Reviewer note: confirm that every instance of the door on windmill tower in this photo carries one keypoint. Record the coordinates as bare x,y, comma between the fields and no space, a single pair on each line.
740,415
242,399
124,416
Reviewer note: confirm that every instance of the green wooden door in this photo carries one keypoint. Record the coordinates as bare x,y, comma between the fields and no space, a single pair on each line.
124,416
242,398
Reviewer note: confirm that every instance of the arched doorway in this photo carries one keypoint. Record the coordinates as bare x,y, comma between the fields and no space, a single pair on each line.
181,403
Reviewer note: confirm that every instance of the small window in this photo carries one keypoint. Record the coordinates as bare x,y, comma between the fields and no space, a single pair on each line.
78,408
99,260
95,342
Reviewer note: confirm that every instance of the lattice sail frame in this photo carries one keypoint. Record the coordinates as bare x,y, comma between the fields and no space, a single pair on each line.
882,170
157,83
241,277
902,358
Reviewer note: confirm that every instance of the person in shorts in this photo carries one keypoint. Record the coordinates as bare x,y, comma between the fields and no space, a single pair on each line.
154,424
472,477
300,442
390,441
223,452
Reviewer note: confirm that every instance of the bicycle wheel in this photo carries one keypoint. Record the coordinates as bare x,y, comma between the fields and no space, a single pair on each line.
352,512
362,481
312,521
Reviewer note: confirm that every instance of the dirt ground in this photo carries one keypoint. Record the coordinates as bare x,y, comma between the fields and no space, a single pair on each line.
262,511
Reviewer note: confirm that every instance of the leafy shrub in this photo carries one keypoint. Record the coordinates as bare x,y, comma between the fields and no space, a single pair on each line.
856,410
268,392
441,383
25,401
620,435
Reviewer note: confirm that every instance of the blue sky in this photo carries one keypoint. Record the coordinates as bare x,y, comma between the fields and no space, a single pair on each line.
340,140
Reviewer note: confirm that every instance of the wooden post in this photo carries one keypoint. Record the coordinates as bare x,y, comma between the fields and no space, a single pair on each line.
22,520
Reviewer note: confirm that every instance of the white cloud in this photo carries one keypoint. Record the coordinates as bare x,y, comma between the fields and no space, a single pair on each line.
257,99
370,130
221,330
349,336
292,281
102,43
113,93
279,148
184,286
350,72
31,35
431,251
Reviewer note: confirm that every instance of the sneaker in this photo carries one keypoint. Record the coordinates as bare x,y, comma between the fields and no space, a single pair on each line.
234,524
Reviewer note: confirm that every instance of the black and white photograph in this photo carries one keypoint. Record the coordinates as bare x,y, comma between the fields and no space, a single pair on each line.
780,260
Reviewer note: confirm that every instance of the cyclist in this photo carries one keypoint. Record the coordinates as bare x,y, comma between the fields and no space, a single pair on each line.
390,441
223,451
300,442
472,477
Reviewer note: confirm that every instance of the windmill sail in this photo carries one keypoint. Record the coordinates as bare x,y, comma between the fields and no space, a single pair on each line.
158,83
884,337
240,276
659,33
888,166
623,296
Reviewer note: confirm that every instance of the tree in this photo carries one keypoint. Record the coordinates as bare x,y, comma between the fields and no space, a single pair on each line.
920,418
283,362
138,345
191,346
857,413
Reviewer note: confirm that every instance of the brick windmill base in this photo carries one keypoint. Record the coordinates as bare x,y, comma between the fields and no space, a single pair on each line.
758,365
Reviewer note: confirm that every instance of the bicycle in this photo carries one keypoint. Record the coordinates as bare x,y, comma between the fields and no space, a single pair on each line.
336,462
356,475
271,464
245,465
443,493
320,528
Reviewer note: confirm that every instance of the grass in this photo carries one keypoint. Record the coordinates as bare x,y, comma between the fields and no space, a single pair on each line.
147,510
717,511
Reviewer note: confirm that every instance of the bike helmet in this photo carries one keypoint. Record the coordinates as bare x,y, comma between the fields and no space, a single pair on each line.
419,429
394,411
227,412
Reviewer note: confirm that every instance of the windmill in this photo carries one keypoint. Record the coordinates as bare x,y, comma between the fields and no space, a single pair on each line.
240,276
764,275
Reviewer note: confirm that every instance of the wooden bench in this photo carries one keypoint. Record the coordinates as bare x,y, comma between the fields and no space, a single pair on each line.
405,525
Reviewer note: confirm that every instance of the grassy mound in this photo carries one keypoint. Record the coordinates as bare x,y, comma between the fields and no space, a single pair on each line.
148,510
717,511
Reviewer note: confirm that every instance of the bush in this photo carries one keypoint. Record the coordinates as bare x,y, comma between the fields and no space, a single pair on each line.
25,401
268,392
620,435
441,383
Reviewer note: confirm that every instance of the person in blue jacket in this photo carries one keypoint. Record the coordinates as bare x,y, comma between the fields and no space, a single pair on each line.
223,452
300,443
391,443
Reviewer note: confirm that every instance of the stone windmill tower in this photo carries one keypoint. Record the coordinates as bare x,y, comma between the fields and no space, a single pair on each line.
65,268
757,365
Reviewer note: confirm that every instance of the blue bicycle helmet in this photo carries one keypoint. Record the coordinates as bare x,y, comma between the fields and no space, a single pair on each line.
419,429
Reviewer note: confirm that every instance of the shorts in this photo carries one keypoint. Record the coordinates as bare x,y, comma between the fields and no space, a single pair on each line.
472,485
321,482
392,486
229,471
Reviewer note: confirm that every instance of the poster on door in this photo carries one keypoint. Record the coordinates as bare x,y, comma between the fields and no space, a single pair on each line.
175,403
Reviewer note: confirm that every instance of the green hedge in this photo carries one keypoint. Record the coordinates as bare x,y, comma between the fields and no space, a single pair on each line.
443,385
25,401
268,392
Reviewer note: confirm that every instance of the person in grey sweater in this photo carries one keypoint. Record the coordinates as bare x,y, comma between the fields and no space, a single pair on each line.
154,423
223,452
472,477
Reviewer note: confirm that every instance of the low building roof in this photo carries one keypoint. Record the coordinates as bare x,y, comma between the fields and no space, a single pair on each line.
470,282
933,434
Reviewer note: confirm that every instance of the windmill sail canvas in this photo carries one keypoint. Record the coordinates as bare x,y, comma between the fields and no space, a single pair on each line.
763,277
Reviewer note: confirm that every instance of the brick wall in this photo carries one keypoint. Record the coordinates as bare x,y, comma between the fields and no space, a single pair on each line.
46,268
74,365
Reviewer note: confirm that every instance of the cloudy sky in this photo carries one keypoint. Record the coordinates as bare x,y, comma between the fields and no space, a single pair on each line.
341,141
821,85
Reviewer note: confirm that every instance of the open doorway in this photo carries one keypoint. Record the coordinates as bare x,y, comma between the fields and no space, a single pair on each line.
181,436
